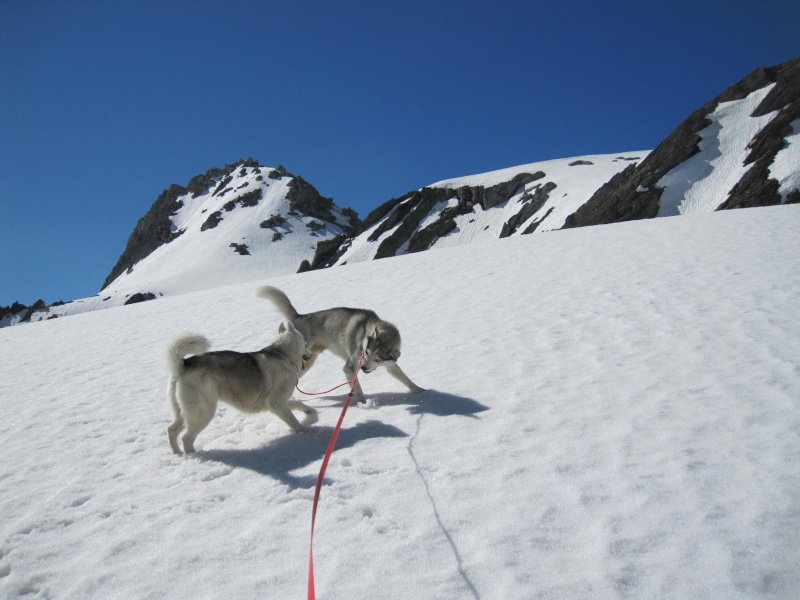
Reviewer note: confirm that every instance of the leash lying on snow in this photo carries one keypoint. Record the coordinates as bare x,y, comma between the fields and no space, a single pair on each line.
321,476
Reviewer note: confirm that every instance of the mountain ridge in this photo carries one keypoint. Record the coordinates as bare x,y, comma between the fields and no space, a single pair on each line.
634,193
738,150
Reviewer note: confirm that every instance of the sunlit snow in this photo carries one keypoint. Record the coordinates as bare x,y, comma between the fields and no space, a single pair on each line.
613,413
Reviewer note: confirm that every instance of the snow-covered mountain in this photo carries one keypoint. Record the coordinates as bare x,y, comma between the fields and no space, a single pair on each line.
742,149
241,223
247,222
515,201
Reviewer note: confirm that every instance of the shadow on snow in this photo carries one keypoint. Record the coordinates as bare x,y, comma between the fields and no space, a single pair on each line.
280,457
283,455
430,402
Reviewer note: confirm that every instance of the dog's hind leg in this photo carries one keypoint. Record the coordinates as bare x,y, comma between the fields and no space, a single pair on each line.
177,424
396,372
197,419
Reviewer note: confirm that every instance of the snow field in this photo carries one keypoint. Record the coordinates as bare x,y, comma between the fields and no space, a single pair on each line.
613,413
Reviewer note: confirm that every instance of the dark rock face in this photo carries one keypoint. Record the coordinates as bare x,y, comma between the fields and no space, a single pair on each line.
201,184
422,202
326,252
140,297
756,188
305,199
531,203
273,221
632,194
240,249
153,230
214,219
38,305
6,311
405,214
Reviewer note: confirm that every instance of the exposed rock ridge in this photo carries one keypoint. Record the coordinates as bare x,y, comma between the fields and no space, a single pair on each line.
633,194
401,218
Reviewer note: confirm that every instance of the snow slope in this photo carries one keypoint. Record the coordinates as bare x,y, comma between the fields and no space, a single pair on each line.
703,183
613,413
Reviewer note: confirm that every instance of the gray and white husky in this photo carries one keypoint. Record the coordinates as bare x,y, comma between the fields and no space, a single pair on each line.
348,333
250,381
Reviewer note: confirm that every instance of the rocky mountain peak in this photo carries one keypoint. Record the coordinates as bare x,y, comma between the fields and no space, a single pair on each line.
240,185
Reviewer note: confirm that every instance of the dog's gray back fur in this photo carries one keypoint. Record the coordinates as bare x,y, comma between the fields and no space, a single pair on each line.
341,330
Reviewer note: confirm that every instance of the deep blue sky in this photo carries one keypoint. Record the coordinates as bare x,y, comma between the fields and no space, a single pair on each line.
104,104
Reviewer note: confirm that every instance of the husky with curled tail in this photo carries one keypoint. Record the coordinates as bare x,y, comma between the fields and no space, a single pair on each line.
348,333
249,381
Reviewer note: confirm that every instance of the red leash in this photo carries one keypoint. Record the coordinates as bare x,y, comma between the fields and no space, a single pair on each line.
297,386
321,476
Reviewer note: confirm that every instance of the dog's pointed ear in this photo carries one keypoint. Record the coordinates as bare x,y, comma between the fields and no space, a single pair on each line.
393,356
282,328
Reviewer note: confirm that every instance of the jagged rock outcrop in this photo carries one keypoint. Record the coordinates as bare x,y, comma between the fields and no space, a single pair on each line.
756,188
152,230
155,228
140,297
634,193
305,199
403,216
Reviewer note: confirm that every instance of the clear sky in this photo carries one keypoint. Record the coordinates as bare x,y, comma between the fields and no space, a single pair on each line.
105,103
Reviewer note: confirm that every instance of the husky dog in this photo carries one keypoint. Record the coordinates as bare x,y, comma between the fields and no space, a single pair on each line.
348,333
250,381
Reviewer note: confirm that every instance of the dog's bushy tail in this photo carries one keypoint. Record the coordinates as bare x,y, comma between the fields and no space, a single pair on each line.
190,343
280,300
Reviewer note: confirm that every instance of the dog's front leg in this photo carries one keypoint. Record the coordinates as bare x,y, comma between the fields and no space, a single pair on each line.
282,410
350,373
396,372
297,405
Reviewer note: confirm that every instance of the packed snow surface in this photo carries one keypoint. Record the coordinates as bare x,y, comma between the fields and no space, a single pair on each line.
613,412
